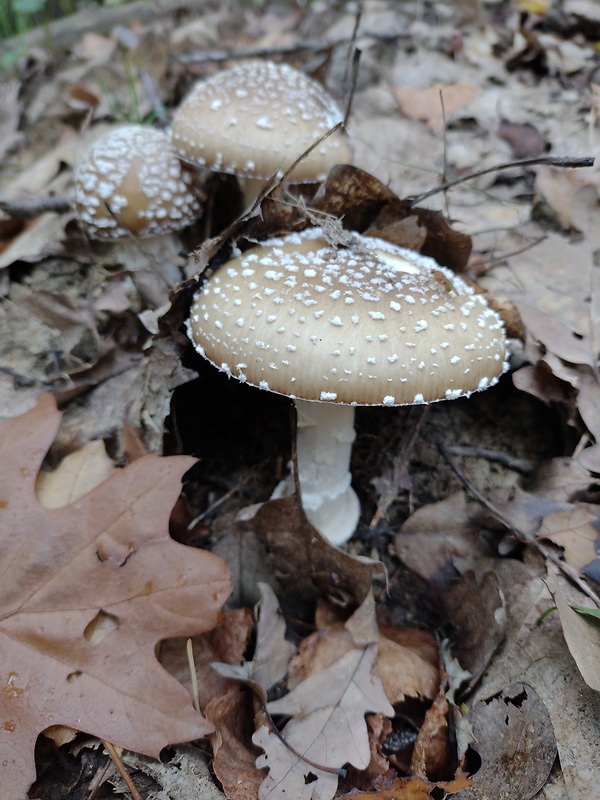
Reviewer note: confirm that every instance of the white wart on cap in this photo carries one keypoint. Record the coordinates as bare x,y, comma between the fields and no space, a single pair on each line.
370,324
256,118
134,172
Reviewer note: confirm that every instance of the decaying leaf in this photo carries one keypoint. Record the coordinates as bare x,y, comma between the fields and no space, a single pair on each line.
514,763
575,529
438,535
582,634
476,612
88,590
299,558
327,727
406,668
234,760
411,789
273,651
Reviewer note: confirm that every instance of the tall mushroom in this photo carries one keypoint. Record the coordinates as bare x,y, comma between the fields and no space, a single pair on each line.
336,327
256,118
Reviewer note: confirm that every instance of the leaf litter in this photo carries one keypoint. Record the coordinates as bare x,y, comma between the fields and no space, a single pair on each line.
515,82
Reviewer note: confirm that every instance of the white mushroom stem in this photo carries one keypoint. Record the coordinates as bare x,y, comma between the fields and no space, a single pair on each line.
323,448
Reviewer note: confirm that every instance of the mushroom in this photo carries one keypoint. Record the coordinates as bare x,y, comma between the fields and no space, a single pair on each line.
255,119
131,181
337,327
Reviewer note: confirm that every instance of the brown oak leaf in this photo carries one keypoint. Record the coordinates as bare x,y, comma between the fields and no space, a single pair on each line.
88,590
327,729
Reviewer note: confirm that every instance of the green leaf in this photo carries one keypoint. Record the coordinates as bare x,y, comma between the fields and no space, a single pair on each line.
594,613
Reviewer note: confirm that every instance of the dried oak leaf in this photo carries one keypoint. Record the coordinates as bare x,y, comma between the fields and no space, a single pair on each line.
327,729
87,591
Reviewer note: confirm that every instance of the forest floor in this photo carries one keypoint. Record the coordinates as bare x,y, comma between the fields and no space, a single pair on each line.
453,645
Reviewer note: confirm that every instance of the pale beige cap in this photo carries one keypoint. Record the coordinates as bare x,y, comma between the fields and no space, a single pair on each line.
368,324
137,172
258,117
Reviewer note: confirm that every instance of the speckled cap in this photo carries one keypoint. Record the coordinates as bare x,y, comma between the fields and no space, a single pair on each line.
369,324
136,171
258,117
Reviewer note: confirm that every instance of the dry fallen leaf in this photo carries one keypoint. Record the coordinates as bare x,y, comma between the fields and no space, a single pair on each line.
582,634
299,558
514,762
327,727
88,591
434,104
575,529
77,474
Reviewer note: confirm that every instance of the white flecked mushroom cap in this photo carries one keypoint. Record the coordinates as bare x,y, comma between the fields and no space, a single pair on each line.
136,171
369,324
256,118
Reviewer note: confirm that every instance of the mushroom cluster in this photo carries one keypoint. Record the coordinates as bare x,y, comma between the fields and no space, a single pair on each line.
335,327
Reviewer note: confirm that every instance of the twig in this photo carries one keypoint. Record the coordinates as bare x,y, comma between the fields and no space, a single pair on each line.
193,674
313,45
98,780
517,464
521,535
562,162
118,761
27,209
203,514
352,62
494,262
353,80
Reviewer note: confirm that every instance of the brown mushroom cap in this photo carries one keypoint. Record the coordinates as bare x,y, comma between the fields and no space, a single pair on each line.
256,118
136,172
369,324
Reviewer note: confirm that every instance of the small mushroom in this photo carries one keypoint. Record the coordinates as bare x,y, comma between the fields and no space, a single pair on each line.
131,180
130,183
255,119
339,327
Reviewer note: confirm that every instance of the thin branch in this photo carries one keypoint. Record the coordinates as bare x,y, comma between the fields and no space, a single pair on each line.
28,209
189,648
118,761
353,81
312,45
492,455
521,535
563,162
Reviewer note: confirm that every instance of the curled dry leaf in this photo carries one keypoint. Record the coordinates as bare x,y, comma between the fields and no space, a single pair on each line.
88,591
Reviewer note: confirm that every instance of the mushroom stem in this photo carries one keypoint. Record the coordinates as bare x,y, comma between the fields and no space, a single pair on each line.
323,448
